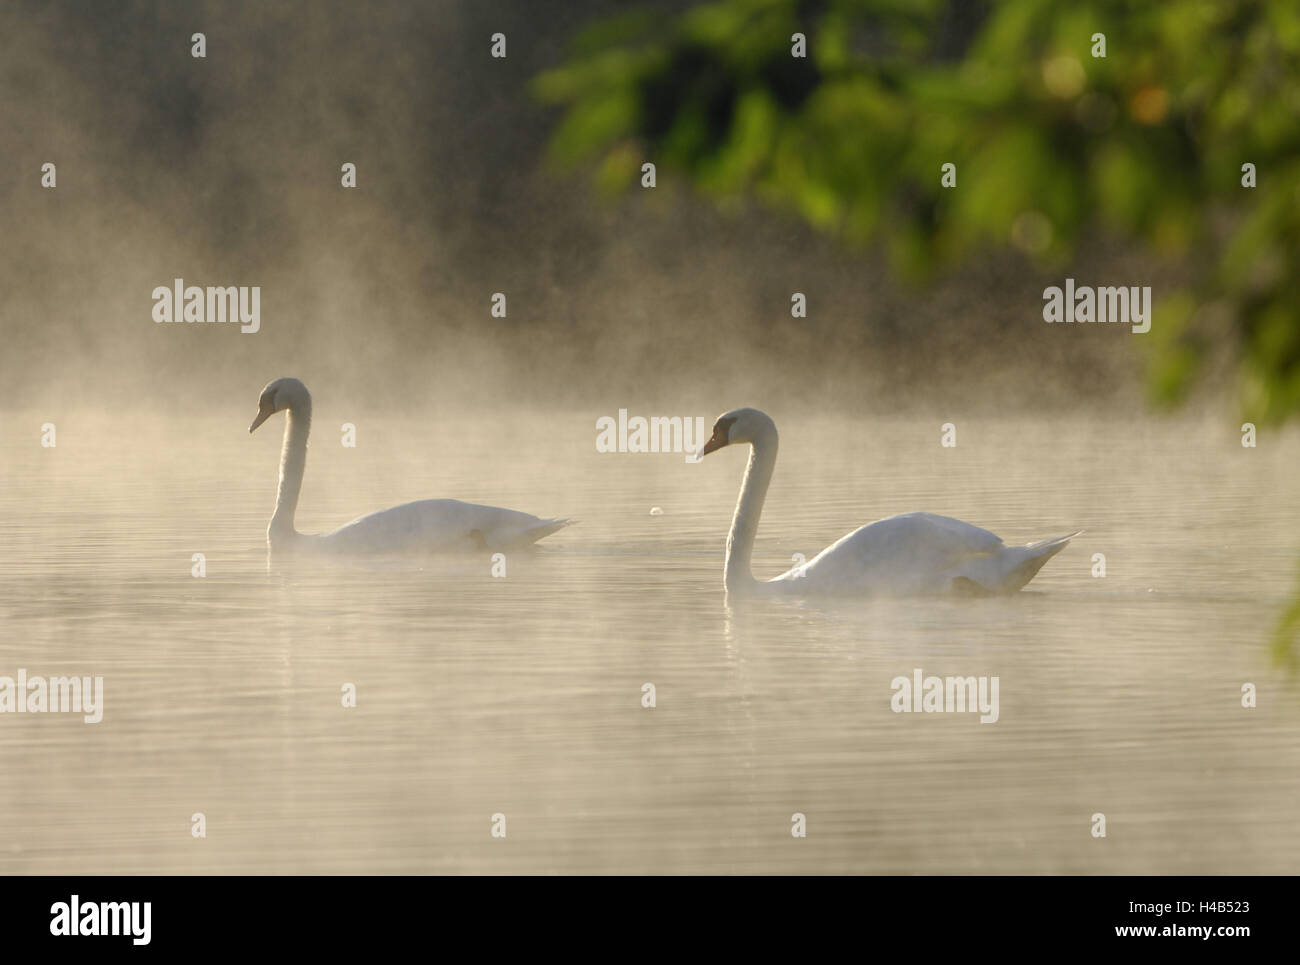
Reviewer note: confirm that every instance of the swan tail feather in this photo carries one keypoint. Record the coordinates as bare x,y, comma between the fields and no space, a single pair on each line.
1009,570
1035,555
1057,541
544,528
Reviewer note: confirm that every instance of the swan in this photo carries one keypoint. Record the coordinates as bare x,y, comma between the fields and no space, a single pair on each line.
911,554
424,525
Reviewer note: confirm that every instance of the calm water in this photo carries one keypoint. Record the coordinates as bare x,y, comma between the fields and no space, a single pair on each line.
522,695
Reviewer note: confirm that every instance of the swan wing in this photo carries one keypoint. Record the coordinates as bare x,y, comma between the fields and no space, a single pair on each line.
909,553
440,524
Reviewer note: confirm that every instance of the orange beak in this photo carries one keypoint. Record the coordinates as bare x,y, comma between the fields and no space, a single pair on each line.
716,441
263,413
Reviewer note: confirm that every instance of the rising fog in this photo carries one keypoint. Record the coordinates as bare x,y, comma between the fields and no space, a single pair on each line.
226,171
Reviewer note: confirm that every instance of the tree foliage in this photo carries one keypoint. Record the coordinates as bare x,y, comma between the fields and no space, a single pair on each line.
1052,145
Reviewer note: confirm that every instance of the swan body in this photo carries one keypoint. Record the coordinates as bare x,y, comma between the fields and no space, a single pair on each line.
907,555
426,525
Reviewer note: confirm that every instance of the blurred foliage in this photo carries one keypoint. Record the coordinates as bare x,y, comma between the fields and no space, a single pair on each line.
1052,146
1050,143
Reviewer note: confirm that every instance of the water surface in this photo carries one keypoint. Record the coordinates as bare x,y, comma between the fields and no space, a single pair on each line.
522,696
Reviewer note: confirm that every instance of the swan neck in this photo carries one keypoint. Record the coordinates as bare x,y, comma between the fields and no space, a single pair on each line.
293,461
744,525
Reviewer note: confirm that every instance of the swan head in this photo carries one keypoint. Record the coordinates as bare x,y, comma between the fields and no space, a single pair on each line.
280,394
737,427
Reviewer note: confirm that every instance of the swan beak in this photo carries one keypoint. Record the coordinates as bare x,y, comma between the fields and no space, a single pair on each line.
712,445
262,416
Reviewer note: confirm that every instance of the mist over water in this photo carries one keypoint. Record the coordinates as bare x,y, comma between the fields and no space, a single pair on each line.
226,171
522,695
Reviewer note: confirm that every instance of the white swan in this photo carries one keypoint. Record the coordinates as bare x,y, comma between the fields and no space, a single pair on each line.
911,554
424,525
